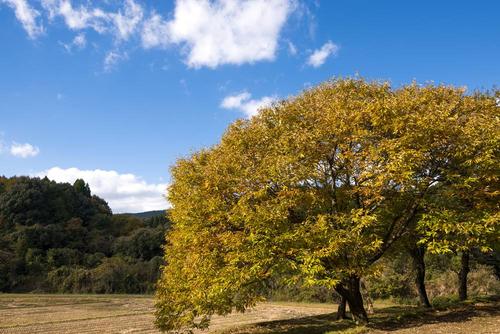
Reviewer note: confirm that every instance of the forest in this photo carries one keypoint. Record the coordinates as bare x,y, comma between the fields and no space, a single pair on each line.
58,237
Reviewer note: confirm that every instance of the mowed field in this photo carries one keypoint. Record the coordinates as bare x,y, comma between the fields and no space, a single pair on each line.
30,314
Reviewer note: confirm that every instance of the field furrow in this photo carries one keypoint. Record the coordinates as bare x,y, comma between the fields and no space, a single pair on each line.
33,314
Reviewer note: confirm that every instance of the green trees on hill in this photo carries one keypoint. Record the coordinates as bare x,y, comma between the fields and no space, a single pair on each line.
59,237
321,187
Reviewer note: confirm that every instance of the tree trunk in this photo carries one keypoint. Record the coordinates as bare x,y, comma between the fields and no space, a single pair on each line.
342,308
417,254
350,290
462,276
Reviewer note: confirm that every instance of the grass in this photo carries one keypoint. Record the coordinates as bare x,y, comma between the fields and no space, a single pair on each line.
481,315
30,313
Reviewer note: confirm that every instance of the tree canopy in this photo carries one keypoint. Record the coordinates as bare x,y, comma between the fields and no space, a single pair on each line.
318,187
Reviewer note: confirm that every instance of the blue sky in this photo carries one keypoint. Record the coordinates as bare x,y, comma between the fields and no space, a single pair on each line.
116,91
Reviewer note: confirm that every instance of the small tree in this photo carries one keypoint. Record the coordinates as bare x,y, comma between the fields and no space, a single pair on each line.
315,188
82,187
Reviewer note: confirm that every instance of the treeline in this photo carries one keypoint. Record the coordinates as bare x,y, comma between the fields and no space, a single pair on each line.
396,277
58,237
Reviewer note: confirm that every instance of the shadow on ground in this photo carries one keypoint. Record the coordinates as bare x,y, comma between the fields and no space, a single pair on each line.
395,318
385,319
306,325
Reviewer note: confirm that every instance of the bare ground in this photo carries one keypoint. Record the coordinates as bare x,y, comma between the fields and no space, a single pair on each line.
65,314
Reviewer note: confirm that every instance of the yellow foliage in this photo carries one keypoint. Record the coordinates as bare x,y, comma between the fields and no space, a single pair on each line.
317,186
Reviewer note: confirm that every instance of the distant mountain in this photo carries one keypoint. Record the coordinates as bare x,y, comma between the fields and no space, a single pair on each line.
147,214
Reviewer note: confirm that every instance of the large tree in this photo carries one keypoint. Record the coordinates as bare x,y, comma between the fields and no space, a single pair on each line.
316,188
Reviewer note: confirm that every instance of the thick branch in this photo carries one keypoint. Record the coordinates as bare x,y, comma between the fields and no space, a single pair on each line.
403,221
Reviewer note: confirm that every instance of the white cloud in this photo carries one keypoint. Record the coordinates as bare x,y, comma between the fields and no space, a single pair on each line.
27,15
77,18
112,59
292,49
155,32
122,23
235,101
318,57
79,42
221,31
245,104
127,22
123,192
24,150
209,33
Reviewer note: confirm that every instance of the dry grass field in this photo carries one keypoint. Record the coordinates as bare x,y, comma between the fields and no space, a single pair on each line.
30,314
60,314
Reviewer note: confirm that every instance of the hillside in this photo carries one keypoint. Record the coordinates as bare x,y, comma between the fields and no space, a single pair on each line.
146,214
58,237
